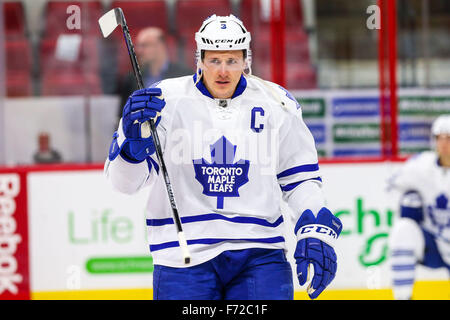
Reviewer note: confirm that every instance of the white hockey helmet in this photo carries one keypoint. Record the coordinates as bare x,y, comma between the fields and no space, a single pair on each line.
222,33
441,125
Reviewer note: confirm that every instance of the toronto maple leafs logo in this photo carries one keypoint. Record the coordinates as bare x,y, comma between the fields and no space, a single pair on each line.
223,176
440,214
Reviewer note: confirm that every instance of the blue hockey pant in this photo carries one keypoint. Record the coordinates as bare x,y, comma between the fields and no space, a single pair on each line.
249,274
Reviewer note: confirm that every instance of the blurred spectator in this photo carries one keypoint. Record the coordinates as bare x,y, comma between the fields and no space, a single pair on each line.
45,154
153,56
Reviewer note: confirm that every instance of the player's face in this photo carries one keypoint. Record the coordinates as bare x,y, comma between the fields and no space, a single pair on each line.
222,71
443,146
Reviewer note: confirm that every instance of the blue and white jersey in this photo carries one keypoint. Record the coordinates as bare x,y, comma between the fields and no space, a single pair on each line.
231,162
424,175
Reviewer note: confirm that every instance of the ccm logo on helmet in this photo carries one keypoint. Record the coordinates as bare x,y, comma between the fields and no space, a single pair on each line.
223,41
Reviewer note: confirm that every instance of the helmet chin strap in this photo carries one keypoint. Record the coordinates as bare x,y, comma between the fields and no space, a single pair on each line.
248,67
199,75
198,71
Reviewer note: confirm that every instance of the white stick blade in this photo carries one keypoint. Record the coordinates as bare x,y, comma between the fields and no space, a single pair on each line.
108,23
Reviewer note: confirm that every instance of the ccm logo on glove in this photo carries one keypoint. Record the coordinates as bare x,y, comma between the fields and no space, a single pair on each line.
318,229
325,227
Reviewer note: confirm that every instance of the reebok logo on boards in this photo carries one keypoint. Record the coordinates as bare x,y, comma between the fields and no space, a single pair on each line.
9,189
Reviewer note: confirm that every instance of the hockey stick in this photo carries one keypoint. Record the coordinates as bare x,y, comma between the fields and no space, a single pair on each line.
108,23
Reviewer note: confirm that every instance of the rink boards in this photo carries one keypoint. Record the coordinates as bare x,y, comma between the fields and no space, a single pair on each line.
74,237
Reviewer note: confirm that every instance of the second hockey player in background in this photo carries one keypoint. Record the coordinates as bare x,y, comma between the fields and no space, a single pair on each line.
422,234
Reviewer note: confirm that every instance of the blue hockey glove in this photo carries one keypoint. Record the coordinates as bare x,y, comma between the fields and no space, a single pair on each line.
141,106
316,236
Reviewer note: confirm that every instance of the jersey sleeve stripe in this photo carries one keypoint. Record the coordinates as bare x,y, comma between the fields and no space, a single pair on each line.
399,252
403,282
216,216
403,267
291,186
299,169
171,244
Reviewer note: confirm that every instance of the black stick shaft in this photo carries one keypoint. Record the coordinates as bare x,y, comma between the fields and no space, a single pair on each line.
138,75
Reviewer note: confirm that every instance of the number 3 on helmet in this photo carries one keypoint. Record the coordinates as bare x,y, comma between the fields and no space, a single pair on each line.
223,33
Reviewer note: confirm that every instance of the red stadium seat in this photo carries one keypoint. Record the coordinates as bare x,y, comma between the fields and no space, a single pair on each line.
252,15
299,73
18,67
18,55
196,11
14,22
300,76
61,77
297,48
294,14
189,14
88,57
142,14
71,83
57,18
18,84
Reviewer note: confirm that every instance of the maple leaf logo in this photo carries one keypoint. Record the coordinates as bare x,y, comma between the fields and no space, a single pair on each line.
439,214
223,176
441,202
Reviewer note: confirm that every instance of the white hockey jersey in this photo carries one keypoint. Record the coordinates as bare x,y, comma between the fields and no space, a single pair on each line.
423,174
230,163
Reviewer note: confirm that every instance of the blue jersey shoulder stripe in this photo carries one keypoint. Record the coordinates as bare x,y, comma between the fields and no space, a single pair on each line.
171,244
216,216
291,186
298,169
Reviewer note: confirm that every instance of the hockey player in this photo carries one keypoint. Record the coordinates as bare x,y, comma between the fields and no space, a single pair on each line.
234,145
422,234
